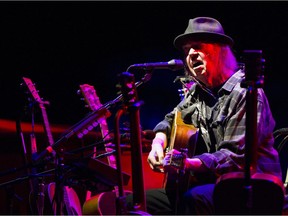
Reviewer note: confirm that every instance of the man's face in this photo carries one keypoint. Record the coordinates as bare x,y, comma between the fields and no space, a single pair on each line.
202,60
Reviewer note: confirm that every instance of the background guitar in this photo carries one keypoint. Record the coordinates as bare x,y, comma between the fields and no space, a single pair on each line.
93,102
102,203
70,198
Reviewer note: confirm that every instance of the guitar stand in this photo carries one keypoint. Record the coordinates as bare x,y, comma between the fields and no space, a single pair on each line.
59,186
121,199
132,105
10,191
11,195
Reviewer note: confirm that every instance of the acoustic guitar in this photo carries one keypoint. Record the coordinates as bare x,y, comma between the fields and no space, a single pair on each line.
103,203
183,138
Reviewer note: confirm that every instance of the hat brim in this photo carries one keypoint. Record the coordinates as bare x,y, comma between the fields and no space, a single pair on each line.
180,40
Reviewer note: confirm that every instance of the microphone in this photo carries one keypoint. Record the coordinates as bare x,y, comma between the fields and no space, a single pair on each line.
174,64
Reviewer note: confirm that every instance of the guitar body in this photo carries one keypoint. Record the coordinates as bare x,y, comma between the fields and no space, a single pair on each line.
102,204
230,194
183,136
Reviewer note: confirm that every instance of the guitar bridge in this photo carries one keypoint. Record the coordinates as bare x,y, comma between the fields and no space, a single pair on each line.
177,160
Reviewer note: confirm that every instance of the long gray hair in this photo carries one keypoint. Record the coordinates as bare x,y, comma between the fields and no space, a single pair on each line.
227,63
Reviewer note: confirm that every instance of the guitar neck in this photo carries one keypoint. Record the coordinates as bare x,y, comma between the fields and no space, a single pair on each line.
46,125
93,102
105,134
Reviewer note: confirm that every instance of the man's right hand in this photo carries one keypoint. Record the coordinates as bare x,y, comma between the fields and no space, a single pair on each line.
156,156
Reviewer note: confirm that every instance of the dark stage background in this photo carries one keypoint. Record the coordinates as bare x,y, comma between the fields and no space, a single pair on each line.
60,45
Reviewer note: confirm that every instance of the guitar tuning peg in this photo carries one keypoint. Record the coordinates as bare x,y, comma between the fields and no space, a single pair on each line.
45,102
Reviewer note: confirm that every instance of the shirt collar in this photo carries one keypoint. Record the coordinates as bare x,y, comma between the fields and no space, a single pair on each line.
227,86
233,80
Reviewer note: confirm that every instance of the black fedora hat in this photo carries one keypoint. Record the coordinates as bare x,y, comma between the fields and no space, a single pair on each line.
203,28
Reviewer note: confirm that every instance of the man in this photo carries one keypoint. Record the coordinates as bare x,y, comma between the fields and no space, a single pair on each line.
215,105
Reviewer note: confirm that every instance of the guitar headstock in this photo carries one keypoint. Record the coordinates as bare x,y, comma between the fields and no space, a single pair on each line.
90,96
34,92
31,87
